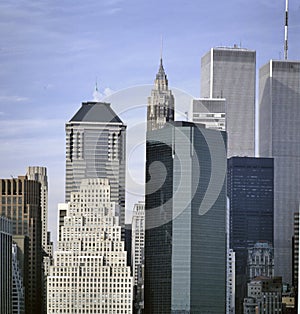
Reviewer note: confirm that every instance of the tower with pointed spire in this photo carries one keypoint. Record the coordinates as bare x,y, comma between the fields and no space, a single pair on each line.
161,102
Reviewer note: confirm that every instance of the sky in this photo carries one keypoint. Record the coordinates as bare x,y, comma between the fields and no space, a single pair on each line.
52,53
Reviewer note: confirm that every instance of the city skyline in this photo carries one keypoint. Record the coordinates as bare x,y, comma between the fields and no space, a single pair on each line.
52,54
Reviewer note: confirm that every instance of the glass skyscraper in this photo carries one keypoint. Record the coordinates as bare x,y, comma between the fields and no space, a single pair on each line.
250,191
185,220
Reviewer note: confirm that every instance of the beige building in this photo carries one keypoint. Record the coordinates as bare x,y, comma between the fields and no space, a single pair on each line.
20,202
90,274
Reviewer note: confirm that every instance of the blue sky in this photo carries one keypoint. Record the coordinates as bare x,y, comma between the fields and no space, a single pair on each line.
51,53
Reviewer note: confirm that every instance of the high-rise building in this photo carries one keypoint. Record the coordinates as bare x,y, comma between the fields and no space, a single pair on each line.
18,295
90,274
138,239
250,192
137,254
279,132
96,148
185,220
20,202
209,111
263,296
39,174
296,251
161,102
230,293
260,260
5,265
230,73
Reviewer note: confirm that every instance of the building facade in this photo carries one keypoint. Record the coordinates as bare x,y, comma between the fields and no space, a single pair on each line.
264,296
160,107
261,260
279,116
185,220
96,148
20,202
209,111
90,274
138,239
18,293
39,174
5,265
250,191
230,73
230,292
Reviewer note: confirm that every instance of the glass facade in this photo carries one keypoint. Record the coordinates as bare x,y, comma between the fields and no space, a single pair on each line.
250,186
185,220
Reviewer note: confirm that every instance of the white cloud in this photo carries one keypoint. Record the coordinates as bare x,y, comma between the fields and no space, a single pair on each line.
97,96
13,98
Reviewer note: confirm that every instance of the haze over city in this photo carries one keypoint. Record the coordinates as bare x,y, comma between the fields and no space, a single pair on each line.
52,53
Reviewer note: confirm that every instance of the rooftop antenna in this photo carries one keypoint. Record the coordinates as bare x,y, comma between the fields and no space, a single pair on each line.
96,85
286,30
161,47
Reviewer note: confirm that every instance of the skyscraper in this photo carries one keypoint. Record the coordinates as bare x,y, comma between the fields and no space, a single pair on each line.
96,148
209,111
5,265
250,193
279,133
20,202
185,219
39,174
18,295
161,102
230,73
90,274
138,239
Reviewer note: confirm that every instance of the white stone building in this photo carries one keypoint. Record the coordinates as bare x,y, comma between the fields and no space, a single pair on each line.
90,273
138,239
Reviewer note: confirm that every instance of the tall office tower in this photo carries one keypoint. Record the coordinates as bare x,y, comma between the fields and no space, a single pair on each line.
161,102
185,220
90,274
261,260
96,148
138,239
20,202
230,293
5,265
296,251
128,240
18,295
250,193
263,296
209,111
230,73
40,174
279,132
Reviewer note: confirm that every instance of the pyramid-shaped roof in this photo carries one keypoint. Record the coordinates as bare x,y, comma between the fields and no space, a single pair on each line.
95,112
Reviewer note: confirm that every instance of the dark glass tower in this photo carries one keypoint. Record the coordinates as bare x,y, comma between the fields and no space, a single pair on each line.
185,239
250,186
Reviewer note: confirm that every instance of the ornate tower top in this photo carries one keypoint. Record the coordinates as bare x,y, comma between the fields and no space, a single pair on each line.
161,102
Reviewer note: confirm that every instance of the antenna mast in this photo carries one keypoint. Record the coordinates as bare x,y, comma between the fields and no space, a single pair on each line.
286,30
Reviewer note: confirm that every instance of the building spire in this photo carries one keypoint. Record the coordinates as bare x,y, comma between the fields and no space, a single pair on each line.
160,108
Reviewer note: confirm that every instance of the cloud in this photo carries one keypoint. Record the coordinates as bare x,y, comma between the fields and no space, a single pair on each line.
13,98
97,96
